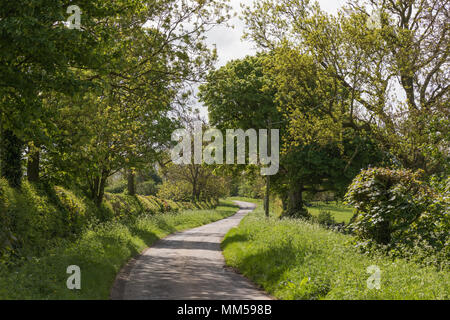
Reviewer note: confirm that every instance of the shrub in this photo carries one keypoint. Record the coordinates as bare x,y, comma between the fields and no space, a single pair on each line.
147,188
30,219
397,208
117,187
75,208
148,204
296,213
176,191
325,218
7,238
35,217
252,187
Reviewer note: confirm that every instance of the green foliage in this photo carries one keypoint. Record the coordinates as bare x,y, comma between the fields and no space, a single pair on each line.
7,237
234,95
123,206
343,73
10,158
118,186
100,252
397,208
34,217
295,259
296,213
251,186
77,209
177,191
325,218
340,213
100,99
315,154
192,182
147,188
31,219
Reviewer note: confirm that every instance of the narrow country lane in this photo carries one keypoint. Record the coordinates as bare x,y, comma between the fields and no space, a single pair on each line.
187,265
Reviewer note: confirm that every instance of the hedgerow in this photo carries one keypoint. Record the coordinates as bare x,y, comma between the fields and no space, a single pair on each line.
100,251
35,216
399,211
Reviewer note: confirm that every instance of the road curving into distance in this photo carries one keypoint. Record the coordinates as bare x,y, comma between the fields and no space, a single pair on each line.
187,265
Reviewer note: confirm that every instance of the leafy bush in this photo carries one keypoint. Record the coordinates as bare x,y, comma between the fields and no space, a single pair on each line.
147,188
252,187
149,204
34,217
325,218
30,219
398,209
7,237
176,191
123,205
76,209
117,187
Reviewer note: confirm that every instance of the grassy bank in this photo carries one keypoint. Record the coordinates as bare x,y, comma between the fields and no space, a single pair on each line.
100,253
298,260
38,216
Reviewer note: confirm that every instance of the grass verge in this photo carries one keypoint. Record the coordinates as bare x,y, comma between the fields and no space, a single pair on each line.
293,259
100,252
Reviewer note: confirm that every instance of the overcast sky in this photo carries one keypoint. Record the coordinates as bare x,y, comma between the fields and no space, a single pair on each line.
229,41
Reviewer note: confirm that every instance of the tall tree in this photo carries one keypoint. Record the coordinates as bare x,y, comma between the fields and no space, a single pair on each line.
40,54
125,120
243,94
389,78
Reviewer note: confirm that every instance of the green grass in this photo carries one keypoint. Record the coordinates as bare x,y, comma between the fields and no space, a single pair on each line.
100,252
293,259
340,212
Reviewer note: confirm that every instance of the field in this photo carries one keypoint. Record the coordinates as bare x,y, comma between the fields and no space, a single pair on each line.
340,212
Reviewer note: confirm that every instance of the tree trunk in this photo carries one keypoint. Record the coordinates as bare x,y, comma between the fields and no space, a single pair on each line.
295,206
33,166
194,191
98,189
101,190
11,156
295,199
131,183
94,189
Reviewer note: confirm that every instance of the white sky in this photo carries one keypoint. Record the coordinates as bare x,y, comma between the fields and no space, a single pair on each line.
229,41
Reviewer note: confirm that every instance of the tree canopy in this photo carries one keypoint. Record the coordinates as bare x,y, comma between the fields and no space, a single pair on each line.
246,94
391,80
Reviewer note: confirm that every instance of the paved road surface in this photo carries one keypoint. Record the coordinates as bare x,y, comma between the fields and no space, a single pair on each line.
187,265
